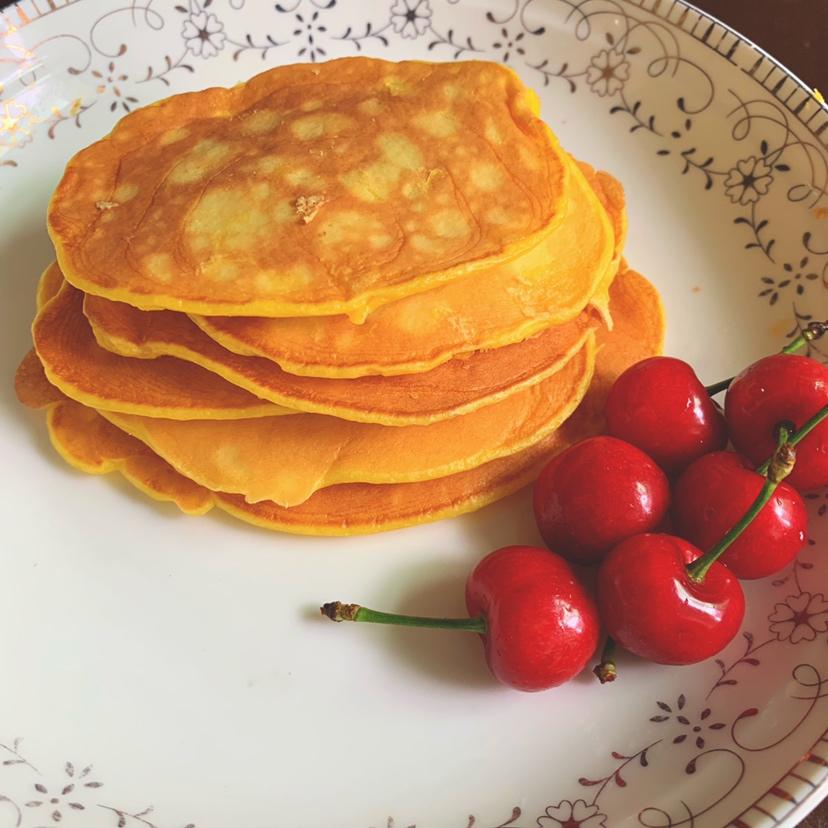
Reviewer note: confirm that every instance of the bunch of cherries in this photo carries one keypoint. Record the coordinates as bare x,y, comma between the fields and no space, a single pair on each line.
671,518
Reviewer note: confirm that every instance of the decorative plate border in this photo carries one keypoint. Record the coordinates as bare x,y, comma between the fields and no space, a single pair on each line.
745,184
96,78
805,785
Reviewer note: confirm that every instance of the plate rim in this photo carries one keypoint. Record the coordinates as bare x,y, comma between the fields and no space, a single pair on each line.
805,785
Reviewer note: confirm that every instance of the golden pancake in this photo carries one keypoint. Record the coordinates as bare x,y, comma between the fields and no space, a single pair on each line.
612,197
611,194
89,443
311,190
614,200
93,445
287,459
32,387
455,387
496,307
48,285
166,387
360,508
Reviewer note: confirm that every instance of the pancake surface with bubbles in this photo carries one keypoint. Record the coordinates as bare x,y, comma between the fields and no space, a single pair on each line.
311,189
498,306
334,298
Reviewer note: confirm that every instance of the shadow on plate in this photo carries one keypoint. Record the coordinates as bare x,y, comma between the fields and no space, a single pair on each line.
24,255
449,657
508,522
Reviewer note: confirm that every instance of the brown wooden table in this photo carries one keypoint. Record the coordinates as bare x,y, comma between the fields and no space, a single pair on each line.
795,32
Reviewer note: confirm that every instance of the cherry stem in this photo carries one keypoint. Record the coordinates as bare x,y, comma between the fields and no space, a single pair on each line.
779,466
337,611
800,435
812,331
714,389
606,670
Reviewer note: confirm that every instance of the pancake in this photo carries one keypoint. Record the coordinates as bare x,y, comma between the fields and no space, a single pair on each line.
32,387
361,508
493,308
166,387
89,443
311,190
612,197
287,459
453,388
93,445
614,200
48,285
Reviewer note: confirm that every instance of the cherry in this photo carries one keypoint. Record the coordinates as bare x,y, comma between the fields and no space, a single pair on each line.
538,624
661,406
542,625
653,607
597,493
779,389
665,600
715,491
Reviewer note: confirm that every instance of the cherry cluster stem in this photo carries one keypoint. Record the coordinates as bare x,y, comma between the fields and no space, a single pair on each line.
800,435
776,469
337,611
781,466
812,331
717,387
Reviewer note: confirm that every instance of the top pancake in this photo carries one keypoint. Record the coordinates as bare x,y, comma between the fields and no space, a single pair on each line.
548,285
311,190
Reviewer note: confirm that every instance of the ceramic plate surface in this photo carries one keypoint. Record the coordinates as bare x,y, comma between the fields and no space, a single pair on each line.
160,671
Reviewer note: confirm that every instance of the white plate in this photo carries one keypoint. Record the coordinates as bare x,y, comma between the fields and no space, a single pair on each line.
184,659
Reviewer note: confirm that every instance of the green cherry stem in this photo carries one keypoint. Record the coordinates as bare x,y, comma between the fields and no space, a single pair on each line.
800,435
337,611
812,331
781,465
776,469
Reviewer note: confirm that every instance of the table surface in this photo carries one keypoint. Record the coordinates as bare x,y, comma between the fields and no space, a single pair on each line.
795,32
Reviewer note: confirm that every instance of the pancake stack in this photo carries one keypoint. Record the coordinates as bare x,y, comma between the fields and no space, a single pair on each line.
335,299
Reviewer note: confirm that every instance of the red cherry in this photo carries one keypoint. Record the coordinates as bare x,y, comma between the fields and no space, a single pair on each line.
538,624
651,606
541,625
661,406
710,498
597,493
777,389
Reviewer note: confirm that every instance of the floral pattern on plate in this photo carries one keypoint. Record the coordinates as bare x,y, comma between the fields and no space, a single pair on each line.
641,60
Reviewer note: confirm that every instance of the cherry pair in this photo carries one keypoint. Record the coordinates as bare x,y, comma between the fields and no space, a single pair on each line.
661,406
